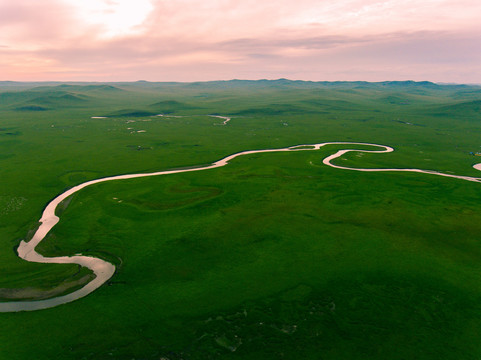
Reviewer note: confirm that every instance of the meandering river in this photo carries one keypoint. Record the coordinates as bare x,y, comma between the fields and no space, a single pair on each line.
104,270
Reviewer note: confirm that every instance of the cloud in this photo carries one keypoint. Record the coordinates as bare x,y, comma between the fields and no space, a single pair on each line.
256,57
212,39
28,22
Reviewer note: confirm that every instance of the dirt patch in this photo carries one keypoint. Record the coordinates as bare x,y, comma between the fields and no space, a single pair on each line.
31,293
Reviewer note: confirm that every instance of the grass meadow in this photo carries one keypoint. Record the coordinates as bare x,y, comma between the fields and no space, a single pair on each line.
274,256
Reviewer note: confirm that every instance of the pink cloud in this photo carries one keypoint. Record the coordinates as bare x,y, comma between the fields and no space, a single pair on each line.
219,39
28,22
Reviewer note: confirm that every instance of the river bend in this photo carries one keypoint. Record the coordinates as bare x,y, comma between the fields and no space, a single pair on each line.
104,270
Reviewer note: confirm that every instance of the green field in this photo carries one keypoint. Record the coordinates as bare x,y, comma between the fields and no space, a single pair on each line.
274,256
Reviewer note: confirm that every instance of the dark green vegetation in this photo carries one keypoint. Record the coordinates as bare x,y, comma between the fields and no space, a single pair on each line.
273,256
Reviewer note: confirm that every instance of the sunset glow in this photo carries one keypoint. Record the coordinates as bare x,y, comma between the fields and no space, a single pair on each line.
190,40
114,17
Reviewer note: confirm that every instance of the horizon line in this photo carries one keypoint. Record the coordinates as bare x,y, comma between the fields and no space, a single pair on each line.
234,79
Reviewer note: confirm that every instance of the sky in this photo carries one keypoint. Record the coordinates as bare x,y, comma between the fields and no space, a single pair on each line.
200,40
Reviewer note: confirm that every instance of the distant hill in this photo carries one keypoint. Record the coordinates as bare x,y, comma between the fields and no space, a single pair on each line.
31,101
396,100
275,109
408,83
32,108
234,83
77,88
170,106
467,108
330,104
470,110
130,113
143,98
41,98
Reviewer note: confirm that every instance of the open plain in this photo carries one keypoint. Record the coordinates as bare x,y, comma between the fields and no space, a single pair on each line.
276,255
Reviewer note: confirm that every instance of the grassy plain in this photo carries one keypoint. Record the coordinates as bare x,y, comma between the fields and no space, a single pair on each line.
273,256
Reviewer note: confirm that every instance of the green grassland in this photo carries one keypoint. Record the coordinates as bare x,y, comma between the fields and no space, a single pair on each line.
274,256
